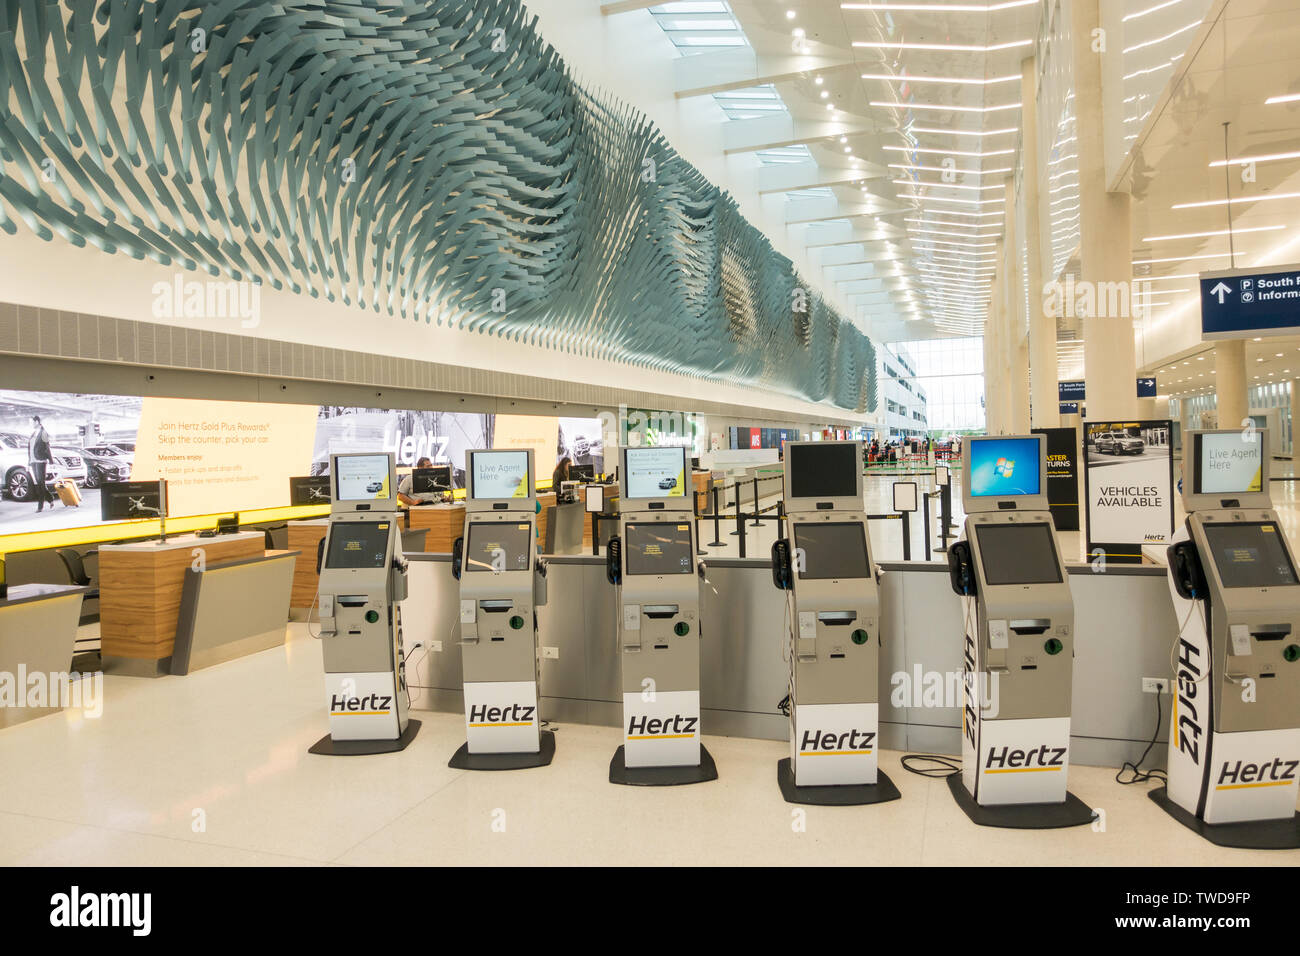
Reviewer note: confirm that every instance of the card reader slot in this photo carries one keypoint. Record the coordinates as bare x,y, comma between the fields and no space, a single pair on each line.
837,618
1030,626
659,611
1270,632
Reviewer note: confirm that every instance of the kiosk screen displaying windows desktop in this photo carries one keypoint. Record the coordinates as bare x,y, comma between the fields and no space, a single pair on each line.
1004,467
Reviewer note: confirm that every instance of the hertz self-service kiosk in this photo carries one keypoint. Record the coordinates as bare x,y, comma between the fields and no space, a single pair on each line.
362,582
652,563
1019,642
1234,741
502,583
833,616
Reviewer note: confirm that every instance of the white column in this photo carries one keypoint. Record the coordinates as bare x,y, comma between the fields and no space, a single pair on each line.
1106,262
1045,407
1230,382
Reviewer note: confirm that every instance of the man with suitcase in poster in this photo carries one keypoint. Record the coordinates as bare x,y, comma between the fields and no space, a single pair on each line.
38,457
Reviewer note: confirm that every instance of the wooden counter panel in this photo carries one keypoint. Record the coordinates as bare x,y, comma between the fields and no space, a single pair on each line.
305,538
140,594
442,524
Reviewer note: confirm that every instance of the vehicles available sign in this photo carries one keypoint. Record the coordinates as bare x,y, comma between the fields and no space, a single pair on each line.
1062,476
1236,303
1129,485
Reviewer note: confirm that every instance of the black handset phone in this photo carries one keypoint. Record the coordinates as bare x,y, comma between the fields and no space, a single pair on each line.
1188,573
781,575
614,561
457,557
961,569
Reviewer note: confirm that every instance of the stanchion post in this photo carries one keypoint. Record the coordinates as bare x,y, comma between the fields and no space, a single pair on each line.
717,521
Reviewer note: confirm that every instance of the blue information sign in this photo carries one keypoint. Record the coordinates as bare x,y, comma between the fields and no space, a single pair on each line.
1240,302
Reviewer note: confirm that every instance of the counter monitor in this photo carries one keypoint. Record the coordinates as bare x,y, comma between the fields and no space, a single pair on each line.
659,548
309,490
128,500
832,550
431,481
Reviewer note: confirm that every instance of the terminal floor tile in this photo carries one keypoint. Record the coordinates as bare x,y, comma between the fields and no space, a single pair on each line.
213,769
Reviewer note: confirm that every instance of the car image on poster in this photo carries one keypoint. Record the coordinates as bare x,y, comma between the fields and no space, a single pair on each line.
1128,474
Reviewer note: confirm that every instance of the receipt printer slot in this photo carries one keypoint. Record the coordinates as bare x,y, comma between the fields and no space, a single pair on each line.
659,611
837,618
1031,626
496,607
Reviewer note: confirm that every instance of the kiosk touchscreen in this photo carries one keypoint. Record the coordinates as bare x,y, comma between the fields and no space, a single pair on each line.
502,583
1019,641
1234,741
652,564
362,584
825,567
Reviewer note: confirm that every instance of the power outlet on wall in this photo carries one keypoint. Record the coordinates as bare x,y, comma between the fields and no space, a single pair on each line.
1155,685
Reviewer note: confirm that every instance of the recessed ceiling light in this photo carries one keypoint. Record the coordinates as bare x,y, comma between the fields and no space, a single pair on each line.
954,80
1262,197
789,14
948,108
1217,232
942,47
1247,160
1285,98
818,80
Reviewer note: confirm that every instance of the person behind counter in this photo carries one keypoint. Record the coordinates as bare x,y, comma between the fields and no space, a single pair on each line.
405,487
561,473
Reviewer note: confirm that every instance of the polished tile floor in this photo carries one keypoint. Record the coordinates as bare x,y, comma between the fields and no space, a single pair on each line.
213,769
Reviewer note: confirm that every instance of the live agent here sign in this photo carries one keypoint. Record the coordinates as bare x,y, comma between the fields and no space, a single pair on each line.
1236,303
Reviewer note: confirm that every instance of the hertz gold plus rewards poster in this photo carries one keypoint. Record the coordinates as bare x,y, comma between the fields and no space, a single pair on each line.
222,456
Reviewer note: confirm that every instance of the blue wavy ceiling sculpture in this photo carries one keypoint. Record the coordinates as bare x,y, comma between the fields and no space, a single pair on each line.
433,159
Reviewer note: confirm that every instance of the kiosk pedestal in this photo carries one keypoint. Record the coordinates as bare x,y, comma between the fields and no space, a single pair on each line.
653,565
1018,642
834,638
362,582
502,583
1234,741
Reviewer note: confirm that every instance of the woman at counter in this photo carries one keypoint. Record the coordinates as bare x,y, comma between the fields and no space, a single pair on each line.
561,473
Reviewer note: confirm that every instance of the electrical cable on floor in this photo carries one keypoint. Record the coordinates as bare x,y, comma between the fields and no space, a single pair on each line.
945,764
1140,775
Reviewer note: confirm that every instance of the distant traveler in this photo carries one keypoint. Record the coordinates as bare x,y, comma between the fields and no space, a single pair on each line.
38,457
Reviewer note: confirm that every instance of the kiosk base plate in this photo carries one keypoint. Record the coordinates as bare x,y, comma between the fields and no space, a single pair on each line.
1021,816
1247,835
702,772
462,759
330,747
837,795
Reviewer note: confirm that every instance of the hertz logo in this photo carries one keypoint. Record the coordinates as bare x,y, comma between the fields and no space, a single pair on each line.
516,715
661,728
369,706
1242,775
1186,718
849,743
1007,760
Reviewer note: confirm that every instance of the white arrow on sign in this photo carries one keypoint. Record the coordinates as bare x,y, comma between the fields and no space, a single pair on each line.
1220,290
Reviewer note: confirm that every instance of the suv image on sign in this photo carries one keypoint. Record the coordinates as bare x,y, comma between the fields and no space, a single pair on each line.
1119,443
105,462
17,477
668,484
